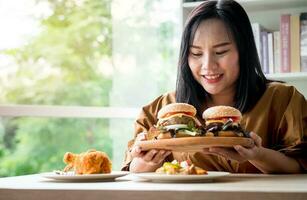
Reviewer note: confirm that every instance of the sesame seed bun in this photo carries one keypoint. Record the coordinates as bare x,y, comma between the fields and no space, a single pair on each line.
176,108
221,111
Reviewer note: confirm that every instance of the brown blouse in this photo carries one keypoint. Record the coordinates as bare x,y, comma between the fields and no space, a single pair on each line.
279,118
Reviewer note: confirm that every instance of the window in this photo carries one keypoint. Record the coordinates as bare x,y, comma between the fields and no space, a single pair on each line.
75,73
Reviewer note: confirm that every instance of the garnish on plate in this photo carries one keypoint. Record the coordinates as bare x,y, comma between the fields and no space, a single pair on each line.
183,168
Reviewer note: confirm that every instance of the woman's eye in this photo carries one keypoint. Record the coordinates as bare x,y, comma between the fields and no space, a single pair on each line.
221,52
196,54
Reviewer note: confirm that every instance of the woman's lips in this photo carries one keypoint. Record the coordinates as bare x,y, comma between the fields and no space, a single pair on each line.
213,78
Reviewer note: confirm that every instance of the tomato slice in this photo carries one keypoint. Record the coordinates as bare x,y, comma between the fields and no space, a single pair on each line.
225,118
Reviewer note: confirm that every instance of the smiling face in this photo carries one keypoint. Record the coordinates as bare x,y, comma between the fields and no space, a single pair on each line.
214,59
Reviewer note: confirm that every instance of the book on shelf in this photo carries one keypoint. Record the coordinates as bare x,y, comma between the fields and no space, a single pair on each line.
263,49
265,52
303,41
270,53
257,28
295,65
285,42
276,46
285,50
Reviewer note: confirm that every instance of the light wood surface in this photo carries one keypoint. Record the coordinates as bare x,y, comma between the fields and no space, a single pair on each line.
235,186
194,144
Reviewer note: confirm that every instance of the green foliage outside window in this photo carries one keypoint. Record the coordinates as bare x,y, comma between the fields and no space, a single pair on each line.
66,64
59,66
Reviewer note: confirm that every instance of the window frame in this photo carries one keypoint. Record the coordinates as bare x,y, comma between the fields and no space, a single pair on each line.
68,111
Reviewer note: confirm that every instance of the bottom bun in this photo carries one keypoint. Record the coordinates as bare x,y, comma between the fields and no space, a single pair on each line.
229,134
153,133
165,135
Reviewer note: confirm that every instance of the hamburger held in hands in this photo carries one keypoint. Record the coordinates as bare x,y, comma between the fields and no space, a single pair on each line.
223,121
176,120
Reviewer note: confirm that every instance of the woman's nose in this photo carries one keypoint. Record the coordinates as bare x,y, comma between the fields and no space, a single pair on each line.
208,62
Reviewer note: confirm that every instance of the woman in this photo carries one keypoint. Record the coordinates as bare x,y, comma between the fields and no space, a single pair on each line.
219,65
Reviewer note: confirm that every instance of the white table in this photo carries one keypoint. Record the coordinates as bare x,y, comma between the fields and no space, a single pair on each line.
236,186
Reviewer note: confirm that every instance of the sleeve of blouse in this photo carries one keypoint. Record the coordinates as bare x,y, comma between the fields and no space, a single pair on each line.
145,120
294,127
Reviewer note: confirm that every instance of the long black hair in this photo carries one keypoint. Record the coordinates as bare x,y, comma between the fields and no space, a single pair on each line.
251,82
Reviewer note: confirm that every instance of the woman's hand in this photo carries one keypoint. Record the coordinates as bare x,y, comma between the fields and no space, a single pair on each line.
266,160
239,153
146,161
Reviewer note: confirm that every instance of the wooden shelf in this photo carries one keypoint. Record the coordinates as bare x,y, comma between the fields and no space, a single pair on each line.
259,5
297,76
265,12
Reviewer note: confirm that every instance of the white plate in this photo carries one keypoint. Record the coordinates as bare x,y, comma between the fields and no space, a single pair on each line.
70,176
181,178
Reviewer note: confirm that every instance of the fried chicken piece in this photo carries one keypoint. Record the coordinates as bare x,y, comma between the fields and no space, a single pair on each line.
90,162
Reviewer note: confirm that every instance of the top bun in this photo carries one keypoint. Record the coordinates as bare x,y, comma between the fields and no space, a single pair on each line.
221,111
176,107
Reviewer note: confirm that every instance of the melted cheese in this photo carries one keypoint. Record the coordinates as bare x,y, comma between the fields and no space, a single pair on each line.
222,120
214,121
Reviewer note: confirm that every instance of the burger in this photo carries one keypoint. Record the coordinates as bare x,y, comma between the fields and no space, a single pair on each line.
223,121
176,120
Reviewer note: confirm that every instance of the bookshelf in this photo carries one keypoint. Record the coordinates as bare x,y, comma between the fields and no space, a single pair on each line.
267,13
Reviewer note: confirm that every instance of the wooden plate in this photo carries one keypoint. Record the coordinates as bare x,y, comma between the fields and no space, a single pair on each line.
193,144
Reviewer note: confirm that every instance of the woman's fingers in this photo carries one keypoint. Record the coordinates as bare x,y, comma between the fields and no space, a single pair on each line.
155,156
228,153
150,155
214,151
207,151
246,153
136,151
250,153
239,152
256,138
220,151
141,136
160,156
